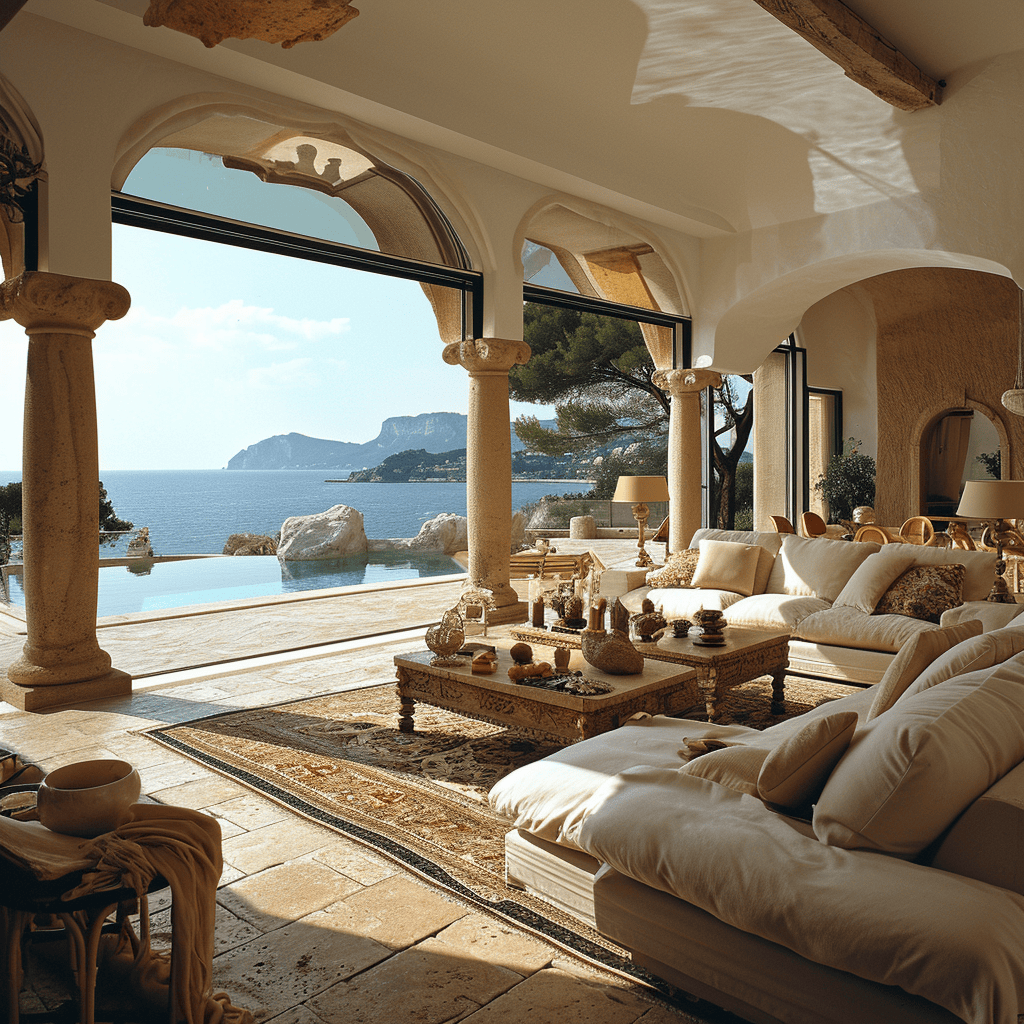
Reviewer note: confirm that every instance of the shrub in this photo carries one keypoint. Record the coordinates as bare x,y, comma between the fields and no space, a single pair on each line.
848,481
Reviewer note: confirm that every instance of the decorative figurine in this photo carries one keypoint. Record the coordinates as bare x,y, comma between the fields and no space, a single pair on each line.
610,652
446,638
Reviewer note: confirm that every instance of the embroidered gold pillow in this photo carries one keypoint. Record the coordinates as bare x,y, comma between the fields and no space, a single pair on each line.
924,592
677,571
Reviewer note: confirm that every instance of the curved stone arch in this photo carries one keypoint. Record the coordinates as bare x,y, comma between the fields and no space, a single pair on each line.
927,421
24,129
635,268
744,335
407,217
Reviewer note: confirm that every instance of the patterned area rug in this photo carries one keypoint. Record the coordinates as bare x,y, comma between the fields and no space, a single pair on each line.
422,799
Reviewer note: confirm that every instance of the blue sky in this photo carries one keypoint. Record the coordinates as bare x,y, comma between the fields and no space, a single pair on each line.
224,346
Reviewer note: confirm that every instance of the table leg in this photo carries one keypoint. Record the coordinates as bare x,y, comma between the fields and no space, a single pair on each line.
707,682
407,708
779,692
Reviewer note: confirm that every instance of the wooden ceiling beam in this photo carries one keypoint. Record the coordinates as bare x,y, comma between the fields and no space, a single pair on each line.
8,9
866,56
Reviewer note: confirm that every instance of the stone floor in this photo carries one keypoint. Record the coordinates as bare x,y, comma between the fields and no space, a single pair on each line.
311,926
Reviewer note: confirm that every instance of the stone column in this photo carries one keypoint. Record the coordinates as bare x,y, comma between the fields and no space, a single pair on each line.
685,452
62,661
489,467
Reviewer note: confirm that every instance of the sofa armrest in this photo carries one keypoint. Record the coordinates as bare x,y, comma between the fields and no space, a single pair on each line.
991,614
985,842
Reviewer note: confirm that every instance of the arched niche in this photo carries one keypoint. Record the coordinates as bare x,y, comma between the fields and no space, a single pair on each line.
947,448
22,143
403,218
606,256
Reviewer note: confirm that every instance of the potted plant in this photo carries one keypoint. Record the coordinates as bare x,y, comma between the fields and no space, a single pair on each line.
848,481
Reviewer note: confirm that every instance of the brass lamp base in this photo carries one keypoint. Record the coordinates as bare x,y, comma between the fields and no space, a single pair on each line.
640,514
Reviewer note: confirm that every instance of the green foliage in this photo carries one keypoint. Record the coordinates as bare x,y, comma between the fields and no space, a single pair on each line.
598,374
744,507
848,481
10,505
992,463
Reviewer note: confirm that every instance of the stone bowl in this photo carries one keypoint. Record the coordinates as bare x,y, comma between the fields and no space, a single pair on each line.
88,798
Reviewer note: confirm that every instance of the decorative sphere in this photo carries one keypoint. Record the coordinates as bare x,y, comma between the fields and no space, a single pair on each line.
522,654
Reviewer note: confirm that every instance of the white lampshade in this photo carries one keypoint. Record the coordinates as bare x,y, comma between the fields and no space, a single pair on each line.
636,489
991,499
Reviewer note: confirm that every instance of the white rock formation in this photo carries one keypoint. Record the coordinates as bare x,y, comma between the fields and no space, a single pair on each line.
331,534
446,532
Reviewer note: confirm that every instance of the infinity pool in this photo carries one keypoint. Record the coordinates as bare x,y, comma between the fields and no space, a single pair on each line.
155,586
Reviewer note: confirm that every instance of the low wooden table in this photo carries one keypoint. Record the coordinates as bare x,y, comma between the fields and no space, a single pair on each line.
661,689
746,654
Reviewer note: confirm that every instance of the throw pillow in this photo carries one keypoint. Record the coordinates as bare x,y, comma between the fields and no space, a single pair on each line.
677,571
795,772
726,566
815,567
924,592
982,651
736,767
872,579
980,565
914,657
911,772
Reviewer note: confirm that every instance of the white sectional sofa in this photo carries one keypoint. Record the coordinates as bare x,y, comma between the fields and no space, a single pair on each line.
825,592
859,863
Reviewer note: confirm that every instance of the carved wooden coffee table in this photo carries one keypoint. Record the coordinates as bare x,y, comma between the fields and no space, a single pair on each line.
661,689
746,654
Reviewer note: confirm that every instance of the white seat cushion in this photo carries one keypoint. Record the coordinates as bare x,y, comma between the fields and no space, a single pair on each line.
850,627
773,611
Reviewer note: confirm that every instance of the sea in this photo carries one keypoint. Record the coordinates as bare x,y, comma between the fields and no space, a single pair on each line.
193,512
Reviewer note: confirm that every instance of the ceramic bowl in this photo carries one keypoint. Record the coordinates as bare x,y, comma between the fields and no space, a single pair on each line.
88,798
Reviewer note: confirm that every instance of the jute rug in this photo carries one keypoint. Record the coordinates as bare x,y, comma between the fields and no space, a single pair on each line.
422,799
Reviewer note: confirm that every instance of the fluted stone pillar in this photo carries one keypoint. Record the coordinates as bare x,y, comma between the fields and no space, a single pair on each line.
489,467
62,661
685,451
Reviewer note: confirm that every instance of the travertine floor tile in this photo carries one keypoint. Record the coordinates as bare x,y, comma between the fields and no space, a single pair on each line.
425,984
497,943
285,893
357,863
250,811
214,789
298,1015
286,967
400,911
555,997
274,844
231,931
163,776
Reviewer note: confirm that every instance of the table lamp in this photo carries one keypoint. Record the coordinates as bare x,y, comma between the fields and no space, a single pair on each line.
638,491
994,501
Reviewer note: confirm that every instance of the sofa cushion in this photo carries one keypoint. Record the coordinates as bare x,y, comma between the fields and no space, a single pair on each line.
770,542
914,657
677,571
910,772
773,611
991,614
980,652
816,567
924,592
724,565
795,772
850,627
736,767
871,580
682,602
980,565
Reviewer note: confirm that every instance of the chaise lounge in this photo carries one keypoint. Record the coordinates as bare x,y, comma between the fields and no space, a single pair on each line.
856,863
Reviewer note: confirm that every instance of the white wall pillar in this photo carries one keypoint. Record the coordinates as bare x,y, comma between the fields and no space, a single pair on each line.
62,661
489,467
685,452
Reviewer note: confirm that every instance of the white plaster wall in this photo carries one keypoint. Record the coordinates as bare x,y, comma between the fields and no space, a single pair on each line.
839,335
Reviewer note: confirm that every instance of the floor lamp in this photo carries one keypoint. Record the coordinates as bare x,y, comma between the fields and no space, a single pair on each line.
638,491
994,501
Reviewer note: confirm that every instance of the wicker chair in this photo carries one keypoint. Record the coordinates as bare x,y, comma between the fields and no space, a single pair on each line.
917,530
782,524
813,525
876,534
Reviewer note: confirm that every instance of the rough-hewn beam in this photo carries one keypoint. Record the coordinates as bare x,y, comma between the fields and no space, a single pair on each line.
865,56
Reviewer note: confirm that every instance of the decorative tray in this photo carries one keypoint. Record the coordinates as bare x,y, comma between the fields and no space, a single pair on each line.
572,682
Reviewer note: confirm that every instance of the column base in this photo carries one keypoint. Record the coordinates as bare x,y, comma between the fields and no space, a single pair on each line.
36,698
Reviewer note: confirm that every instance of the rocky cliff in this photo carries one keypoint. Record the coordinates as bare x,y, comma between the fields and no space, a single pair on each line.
433,432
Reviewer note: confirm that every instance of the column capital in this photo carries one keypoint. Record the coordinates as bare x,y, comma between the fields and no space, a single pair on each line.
43,302
486,355
686,381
